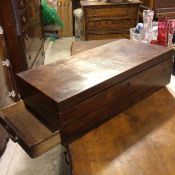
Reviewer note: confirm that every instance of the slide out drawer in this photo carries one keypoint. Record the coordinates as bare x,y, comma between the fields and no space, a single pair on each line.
28,130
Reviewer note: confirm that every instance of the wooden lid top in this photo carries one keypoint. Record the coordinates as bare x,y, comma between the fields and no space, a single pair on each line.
92,3
83,75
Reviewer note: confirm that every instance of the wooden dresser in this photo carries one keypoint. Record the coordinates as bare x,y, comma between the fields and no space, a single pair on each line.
108,20
21,22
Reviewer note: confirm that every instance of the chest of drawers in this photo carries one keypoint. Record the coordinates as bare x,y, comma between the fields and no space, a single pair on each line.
21,21
108,20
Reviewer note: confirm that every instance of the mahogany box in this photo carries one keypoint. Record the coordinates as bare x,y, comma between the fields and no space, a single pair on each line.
69,98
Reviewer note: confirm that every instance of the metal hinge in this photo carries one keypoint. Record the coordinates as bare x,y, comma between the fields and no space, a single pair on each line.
12,94
6,63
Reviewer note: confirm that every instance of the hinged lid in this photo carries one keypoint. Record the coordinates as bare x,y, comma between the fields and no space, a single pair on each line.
81,76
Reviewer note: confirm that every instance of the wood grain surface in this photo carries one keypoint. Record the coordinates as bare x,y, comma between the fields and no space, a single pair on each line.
137,141
82,46
88,73
105,20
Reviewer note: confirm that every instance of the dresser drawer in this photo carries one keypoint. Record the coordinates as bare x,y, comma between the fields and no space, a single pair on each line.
115,99
110,24
111,11
104,35
28,129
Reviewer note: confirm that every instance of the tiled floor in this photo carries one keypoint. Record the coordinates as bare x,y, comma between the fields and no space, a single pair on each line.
15,161
58,50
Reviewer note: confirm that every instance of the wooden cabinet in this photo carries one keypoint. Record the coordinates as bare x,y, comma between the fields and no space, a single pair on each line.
162,8
108,20
22,31
21,23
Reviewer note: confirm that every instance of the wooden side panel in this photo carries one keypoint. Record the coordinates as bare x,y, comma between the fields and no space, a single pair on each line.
111,24
108,21
108,11
65,13
90,113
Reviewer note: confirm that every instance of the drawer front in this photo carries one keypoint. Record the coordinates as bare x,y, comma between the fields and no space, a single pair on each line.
110,24
111,11
90,113
27,129
104,35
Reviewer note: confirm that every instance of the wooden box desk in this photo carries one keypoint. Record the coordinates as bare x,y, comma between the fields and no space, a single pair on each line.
65,100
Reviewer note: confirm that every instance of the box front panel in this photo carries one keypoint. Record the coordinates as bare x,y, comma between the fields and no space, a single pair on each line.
90,113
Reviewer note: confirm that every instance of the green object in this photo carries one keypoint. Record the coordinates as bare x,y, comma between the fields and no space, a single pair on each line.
49,15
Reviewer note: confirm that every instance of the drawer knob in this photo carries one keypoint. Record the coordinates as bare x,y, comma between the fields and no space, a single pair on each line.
30,57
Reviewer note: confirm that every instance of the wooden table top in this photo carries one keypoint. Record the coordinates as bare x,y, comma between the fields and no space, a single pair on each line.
85,74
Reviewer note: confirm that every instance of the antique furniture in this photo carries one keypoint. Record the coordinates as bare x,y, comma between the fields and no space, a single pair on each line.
162,8
23,33
21,47
102,150
5,88
104,20
63,101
